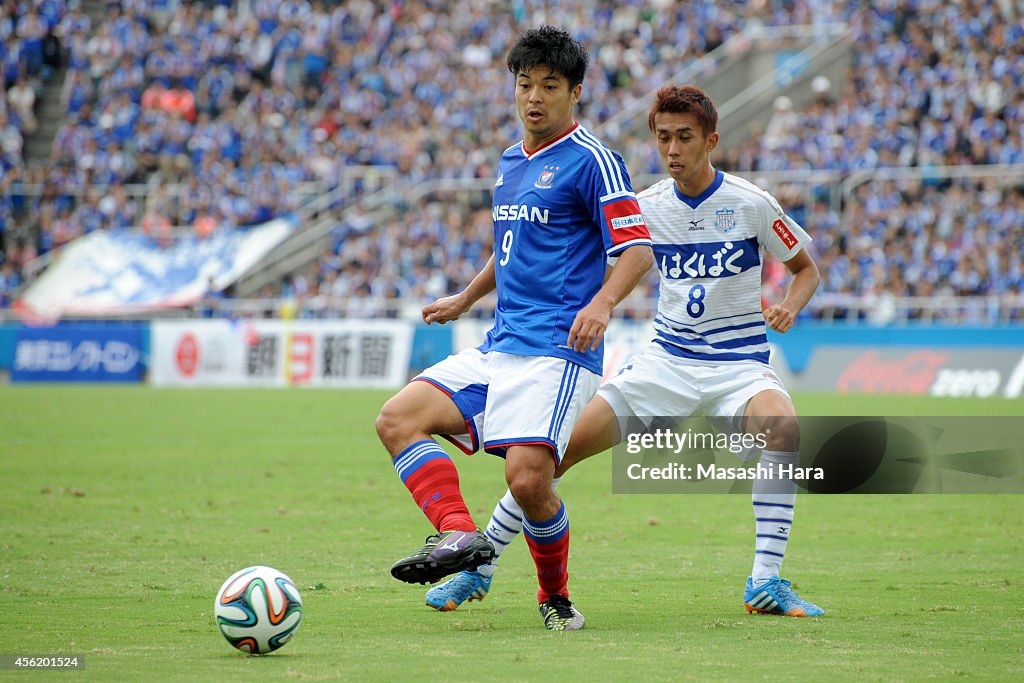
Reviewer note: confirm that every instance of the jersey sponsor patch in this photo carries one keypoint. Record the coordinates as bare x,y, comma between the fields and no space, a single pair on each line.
520,212
787,237
624,213
625,222
706,259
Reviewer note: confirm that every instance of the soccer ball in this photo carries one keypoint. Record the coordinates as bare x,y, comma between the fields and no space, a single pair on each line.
258,610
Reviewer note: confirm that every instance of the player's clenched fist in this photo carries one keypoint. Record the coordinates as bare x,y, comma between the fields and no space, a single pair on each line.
778,318
443,310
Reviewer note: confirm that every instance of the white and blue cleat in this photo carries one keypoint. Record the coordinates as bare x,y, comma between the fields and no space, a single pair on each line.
466,585
777,597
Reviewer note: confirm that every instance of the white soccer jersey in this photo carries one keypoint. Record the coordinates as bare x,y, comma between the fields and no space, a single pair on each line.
708,251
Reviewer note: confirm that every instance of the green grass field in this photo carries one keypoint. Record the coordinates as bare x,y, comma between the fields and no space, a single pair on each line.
124,508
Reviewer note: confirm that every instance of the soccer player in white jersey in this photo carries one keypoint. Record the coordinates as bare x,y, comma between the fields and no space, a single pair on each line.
710,352
563,204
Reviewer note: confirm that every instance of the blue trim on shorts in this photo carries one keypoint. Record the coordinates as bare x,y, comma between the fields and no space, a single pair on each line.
474,438
558,418
470,400
566,372
433,383
500,448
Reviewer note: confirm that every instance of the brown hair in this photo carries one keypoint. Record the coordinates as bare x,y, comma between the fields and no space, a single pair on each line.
685,99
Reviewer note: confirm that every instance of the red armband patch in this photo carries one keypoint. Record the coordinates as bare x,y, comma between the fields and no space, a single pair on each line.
625,222
787,237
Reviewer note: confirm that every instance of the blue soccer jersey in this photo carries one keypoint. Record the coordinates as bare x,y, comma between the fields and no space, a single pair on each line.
559,213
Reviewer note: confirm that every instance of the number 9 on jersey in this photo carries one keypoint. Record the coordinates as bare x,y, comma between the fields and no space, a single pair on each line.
506,247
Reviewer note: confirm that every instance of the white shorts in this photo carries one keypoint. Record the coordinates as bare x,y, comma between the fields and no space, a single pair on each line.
510,400
657,384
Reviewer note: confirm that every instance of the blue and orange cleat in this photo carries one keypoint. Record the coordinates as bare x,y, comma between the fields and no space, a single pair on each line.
776,597
466,585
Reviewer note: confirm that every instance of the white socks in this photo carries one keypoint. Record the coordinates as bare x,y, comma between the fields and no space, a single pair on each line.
773,513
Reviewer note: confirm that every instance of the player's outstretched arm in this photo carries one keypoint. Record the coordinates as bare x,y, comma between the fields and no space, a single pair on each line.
451,307
588,328
780,317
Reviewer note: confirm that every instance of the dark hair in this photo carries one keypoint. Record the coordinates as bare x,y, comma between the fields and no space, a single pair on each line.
551,47
685,99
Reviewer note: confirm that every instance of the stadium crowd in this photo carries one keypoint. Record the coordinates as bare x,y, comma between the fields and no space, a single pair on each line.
222,110
231,113
928,88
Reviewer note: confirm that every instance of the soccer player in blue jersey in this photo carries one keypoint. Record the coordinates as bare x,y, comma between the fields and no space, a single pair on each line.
563,204
710,353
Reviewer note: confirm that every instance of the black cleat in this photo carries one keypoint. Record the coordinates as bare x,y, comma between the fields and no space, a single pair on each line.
560,614
445,553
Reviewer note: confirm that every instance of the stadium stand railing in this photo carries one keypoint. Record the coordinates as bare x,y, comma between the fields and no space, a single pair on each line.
316,220
745,74
1004,174
801,53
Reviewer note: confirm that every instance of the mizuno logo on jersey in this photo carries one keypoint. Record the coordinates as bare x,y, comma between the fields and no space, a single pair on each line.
520,212
706,259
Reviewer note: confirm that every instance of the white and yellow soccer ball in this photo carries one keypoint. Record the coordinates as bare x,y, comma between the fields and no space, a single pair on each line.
258,609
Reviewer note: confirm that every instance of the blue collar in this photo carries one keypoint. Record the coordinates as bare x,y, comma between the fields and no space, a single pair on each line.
694,202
